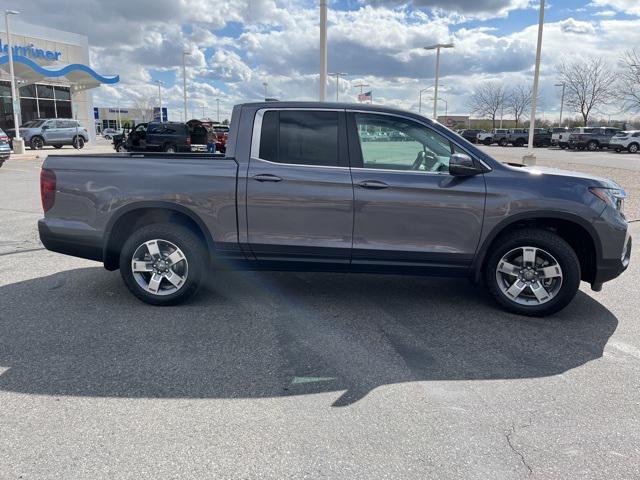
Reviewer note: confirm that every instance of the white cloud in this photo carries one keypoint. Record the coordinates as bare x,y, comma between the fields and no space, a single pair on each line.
631,7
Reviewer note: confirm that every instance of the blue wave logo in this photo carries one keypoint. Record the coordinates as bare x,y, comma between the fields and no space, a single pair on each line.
53,72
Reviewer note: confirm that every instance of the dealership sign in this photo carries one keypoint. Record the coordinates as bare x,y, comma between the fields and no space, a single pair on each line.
31,52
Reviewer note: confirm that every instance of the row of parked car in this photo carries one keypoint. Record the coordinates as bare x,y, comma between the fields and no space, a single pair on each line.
579,138
172,137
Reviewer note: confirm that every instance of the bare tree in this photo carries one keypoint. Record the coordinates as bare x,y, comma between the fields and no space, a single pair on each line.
488,100
145,104
518,101
629,80
590,84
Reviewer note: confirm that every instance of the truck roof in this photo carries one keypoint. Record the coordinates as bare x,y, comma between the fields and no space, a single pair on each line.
335,105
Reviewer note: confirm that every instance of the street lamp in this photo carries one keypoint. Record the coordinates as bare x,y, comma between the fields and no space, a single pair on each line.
420,97
563,85
218,109
323,50
337,75
265,85
160,83
184,84
536,75
446,108
437,48
18,144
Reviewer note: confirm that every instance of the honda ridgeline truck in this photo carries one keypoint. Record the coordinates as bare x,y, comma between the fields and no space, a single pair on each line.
298,189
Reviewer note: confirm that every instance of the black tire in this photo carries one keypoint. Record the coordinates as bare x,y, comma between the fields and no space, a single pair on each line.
487,141
503,142
121,148
57,146
551,243
519,143
618,150
633,148
78,142
194,252
36,143
170,148
563,146
592,146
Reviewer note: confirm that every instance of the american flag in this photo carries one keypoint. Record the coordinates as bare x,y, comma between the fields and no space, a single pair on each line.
363,97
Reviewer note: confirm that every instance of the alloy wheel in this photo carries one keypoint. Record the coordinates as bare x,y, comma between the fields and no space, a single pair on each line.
529,276
159,267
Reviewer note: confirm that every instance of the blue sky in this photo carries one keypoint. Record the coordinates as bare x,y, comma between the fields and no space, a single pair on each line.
237,45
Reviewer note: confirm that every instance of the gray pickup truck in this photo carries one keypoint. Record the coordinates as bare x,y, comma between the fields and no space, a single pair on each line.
299,189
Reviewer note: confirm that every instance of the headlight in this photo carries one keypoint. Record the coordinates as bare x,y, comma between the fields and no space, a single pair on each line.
614,197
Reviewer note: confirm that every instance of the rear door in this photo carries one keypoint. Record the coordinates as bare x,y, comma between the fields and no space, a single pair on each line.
409,212
299,190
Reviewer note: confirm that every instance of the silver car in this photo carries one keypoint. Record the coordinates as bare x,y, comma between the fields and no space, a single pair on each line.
56,132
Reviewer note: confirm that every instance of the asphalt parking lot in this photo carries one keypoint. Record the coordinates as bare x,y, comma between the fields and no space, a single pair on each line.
288,375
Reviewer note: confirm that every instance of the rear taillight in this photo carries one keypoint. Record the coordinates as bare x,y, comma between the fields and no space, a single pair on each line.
188,140
47,188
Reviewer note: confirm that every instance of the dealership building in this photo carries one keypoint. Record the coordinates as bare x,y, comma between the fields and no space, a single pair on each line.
53,75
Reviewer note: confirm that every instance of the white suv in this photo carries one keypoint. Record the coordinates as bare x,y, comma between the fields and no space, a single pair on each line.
628,140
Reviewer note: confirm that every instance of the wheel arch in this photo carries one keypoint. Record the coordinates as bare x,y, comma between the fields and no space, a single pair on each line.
579,233
134,216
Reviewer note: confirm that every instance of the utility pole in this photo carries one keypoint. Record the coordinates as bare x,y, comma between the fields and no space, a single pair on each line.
265,85
563,85
530,157
337,75
323,50
159,83
184,83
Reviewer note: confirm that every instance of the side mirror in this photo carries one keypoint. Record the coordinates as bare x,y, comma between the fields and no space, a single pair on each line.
45,127
462,165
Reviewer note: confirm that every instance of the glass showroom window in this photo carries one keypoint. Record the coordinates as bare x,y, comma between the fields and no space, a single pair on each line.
45,101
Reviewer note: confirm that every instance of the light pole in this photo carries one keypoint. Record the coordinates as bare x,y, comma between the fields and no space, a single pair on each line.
184,84
420,98
563,85
337,75
159,83
446,109
265,85
218,109
530,157
18,144
437,48
323,50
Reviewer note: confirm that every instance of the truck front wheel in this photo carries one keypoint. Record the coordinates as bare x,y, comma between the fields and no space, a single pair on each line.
532,272
163,264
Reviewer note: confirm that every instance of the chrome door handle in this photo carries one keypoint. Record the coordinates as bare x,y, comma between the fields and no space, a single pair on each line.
372,184
267,177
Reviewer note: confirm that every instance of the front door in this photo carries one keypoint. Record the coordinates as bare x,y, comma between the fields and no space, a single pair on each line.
409,212
299,190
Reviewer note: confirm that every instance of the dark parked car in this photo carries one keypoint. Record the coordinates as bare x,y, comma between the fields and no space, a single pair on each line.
519,137
5,148
592,138
170,137
471,134
299,190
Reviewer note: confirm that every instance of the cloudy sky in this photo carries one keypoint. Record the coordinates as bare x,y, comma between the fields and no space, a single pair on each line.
237,45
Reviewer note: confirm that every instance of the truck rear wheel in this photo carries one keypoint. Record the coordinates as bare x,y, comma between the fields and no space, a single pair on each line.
532,272
163,264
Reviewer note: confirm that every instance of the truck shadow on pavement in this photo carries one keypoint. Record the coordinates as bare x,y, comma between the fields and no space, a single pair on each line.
256,334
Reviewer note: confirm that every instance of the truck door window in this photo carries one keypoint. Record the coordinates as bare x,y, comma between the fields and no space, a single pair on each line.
300,137
393,143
